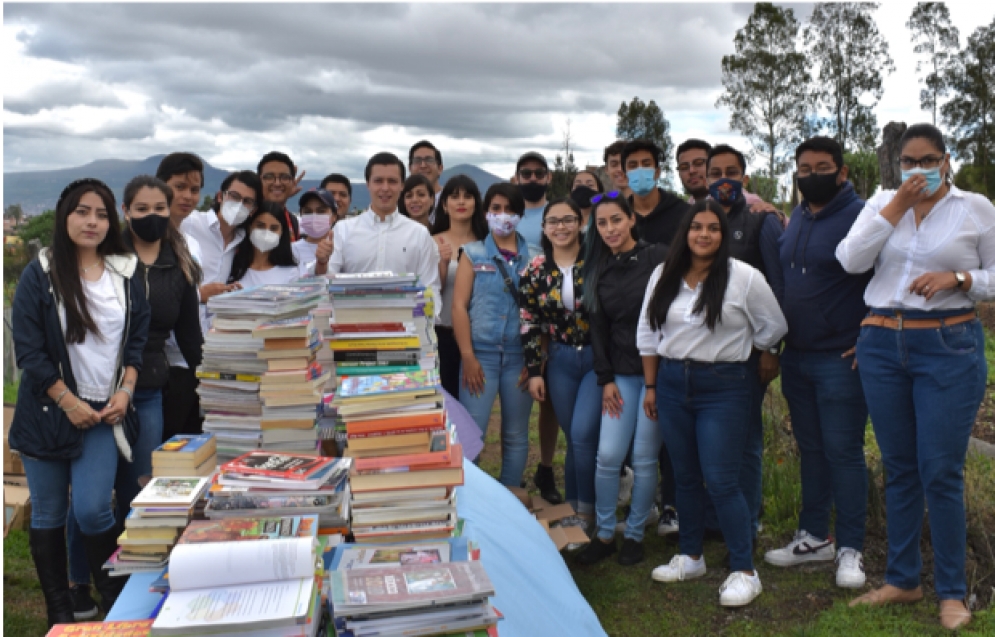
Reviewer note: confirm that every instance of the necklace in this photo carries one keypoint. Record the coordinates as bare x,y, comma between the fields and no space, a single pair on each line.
93,265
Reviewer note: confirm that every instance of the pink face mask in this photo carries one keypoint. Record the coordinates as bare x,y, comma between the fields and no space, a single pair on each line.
316,226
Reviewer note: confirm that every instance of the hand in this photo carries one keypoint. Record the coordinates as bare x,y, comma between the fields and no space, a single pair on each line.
113,411
81,417
537,387
213,289
649,403
445,250
932,282
473,376
769,367
297,184
611,401
851,352
325,248
763,206
912,191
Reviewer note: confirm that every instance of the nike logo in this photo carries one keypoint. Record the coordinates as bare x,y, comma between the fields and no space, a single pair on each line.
805,548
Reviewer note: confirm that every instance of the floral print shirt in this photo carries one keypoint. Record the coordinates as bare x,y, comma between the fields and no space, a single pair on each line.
542,310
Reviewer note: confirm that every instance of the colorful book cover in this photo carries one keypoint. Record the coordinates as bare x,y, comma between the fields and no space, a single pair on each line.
278,465
356,386
170,492
136,628
294,325
238,529
186,445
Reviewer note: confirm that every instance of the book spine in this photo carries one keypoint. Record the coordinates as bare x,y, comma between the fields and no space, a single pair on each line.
353,435
248,378
358,328
370,370
402,342
379,357
408,460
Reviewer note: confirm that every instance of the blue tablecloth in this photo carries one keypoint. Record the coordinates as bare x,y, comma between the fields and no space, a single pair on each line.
535,591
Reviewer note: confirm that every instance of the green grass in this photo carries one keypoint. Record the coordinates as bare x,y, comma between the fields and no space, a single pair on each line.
23,605
9,393
990,356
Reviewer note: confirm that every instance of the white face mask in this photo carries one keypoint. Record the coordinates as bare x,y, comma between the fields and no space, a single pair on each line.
234,213
264,240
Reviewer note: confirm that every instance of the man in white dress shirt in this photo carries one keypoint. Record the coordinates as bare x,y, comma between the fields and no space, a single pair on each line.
381,238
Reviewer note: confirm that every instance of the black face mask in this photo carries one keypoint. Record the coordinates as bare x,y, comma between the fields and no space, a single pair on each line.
149,228
819,189
532,191
582,196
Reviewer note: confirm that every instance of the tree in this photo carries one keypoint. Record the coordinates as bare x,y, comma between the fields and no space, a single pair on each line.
969,114
15,212
764,186
638,120
864,172
852,54
934,35
767,84
207,204
39,227
564,168
980,179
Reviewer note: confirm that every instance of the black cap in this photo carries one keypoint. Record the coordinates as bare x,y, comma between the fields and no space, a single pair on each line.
531,155
322,194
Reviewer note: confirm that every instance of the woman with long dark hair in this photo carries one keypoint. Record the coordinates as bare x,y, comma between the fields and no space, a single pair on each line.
921,353
616,268
703,315
459,220
80,321
417,199
266,255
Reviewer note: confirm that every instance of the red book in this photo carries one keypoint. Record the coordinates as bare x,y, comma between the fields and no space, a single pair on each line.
286,466
357,328
135,628
393,432
438,459
435,420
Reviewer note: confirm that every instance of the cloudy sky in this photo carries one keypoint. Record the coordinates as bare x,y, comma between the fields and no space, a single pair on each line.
332,83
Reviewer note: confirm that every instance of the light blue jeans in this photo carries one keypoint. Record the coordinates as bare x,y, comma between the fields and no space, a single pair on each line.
501,372
573,388
633,426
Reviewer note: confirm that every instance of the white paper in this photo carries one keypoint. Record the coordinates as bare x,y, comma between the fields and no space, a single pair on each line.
220,564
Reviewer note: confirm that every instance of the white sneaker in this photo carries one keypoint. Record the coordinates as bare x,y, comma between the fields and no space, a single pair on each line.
804,548
669,523
625,486
681,567
740,589
850,568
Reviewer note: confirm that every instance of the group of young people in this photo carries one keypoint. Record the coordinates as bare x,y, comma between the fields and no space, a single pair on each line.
647,326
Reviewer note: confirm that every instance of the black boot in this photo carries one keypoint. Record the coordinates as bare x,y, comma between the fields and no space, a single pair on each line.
546,484
48,549
99,548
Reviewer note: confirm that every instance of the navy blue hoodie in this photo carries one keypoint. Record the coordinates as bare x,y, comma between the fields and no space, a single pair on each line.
822,303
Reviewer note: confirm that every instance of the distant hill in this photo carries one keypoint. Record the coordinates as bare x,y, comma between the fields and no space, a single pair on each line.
38,191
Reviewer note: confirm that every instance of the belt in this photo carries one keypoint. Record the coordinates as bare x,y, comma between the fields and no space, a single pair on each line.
899,322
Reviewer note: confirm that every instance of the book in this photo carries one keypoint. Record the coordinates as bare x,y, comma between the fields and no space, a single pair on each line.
361,328
164,534
377,357
278,465
447,476
240,529
184,450
205,468
212,375
360,556
290,376
418,439
284,364
128,628
391,343
170,492
439,453
296,353
134,521
292,327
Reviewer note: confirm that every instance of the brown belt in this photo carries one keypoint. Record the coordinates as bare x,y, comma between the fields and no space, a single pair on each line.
899,322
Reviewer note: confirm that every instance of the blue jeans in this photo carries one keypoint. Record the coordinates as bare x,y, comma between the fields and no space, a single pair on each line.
501,373
702,409
828,417
573,389
923,388
632,427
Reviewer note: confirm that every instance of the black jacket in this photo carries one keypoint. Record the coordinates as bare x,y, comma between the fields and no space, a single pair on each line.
40,344
175,308
660,225
621,287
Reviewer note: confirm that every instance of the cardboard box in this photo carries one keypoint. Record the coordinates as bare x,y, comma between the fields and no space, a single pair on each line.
16,508
11,459
547,514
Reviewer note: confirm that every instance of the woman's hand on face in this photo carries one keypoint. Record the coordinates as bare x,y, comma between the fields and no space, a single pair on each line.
649,403
113,412
473,376
82,417
611,401
537,388
932,282
912,191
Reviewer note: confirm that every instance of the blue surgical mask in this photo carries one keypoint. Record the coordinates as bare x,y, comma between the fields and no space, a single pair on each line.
642,180
933,178
725,191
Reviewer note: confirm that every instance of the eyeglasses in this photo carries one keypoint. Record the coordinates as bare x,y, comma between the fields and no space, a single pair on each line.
929,161
805,171
528,173
608,195
685,166
248,202
423,161
285,178
566,222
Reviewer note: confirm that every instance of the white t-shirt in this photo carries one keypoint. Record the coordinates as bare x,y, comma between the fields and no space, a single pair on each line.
306,254
568,288
94,361
276,274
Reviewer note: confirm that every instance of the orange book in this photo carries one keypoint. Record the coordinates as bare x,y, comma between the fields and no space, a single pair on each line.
128,628
435,420
413,460
450,475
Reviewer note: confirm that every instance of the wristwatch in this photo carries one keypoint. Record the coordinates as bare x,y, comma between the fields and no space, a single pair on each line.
961,278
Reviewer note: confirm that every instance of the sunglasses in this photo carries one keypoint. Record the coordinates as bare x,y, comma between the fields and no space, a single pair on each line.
608,195
539,173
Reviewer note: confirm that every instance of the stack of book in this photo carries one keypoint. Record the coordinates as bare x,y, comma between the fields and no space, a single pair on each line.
186,455
158,514
232,370
405,462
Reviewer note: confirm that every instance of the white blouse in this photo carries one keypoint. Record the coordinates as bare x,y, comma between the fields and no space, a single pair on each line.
276,275
94,361
958,234
750,318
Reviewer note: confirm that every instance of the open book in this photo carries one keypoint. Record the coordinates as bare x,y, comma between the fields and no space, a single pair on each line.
227,587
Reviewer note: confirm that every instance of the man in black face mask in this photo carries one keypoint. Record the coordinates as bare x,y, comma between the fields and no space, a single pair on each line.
824,306
532,176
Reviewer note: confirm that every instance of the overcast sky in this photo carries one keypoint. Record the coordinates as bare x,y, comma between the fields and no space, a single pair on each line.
333,83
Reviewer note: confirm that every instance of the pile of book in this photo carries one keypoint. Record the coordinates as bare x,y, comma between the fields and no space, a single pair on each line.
409,589
186,455
159,513
234,365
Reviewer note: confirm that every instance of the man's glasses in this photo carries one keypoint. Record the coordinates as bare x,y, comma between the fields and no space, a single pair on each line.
285,178
929,161
566,222
248,202
423,161
608,195
528,173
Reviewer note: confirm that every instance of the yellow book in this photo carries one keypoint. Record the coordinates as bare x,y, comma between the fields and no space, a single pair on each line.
402,342
248,378
158,533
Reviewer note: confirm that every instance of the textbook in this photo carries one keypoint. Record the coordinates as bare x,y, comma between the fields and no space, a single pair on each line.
239,529
184,450
136,628
170,492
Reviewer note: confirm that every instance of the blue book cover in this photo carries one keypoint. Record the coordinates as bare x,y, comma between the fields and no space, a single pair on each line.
185,444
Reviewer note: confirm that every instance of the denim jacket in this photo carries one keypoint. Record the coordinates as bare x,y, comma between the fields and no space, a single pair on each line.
494,322
40,344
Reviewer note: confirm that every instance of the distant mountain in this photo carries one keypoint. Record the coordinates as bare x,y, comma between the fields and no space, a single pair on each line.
38,191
